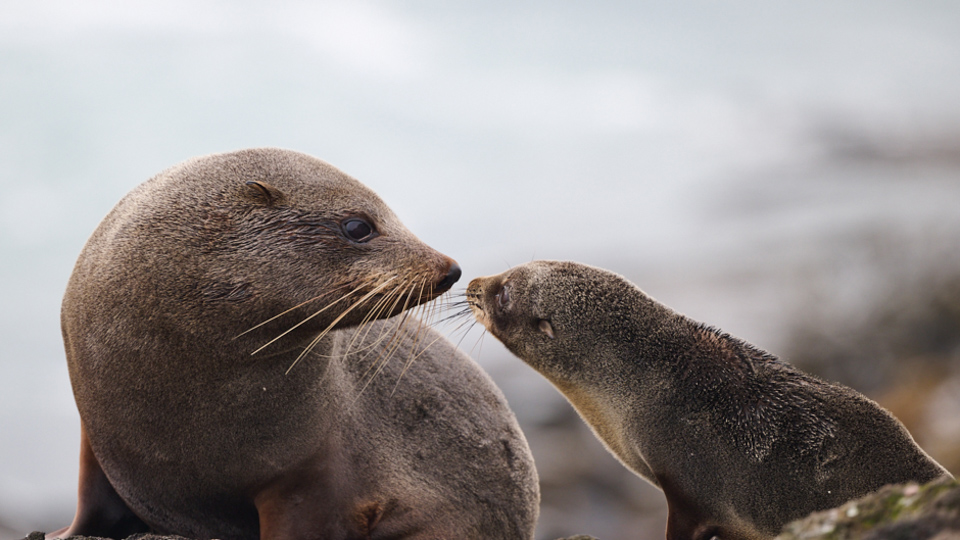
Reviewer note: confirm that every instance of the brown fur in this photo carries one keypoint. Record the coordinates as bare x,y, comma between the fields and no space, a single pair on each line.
740,442
355,434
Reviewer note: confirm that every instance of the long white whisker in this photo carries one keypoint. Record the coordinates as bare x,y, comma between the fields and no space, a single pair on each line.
304,321
364,327
395,340
339,318
421,328
301,304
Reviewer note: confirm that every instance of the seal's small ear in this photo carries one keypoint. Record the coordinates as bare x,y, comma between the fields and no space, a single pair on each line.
546,328
263,193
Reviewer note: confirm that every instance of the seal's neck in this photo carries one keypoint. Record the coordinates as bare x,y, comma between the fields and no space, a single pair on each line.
668,353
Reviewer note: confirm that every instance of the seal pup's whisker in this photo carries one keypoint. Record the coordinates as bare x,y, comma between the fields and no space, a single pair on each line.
469,326
456,306
451,305
463,328
466,320
480,343
449,311
462,314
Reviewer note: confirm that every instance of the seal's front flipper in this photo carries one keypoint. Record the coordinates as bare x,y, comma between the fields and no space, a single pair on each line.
685,523
100,510
682,526
685,519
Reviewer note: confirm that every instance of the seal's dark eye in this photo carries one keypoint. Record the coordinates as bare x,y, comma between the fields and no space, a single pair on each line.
358,229
503,297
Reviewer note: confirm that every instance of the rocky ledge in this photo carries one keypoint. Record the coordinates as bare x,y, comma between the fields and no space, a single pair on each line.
902,512
40,536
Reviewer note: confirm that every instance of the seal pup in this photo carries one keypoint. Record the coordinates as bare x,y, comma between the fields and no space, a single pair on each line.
235,377
740,442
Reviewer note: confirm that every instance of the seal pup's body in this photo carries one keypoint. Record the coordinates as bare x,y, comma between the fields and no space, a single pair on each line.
377,429
740,442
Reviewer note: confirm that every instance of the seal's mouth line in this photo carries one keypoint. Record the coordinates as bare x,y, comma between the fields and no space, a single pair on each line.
474,296
479,314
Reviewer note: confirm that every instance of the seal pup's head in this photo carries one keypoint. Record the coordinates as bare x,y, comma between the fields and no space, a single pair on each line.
561,317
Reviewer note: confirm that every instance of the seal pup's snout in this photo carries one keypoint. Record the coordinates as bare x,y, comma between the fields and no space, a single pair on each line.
475,299
490,299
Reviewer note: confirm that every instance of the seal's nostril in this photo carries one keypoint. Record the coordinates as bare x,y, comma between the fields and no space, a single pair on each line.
453,274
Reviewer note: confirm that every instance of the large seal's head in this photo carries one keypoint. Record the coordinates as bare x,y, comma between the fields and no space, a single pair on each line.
220,244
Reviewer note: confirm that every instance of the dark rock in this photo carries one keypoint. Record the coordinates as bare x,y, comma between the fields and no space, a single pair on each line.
902,512
147,536
139,536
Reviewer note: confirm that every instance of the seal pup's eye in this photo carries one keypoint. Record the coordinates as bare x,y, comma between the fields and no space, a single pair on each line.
545,327
503,297
357,229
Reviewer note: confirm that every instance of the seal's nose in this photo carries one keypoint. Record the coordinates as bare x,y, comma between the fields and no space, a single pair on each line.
453,274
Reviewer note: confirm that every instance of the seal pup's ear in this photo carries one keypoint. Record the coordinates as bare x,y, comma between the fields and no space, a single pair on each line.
263,193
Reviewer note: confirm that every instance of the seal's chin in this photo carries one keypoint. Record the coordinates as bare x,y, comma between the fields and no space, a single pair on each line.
480,315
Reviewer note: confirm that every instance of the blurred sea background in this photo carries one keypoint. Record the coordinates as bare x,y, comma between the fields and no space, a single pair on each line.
787,171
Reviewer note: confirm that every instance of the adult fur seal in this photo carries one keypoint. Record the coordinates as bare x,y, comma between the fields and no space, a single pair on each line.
740,442
357,432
